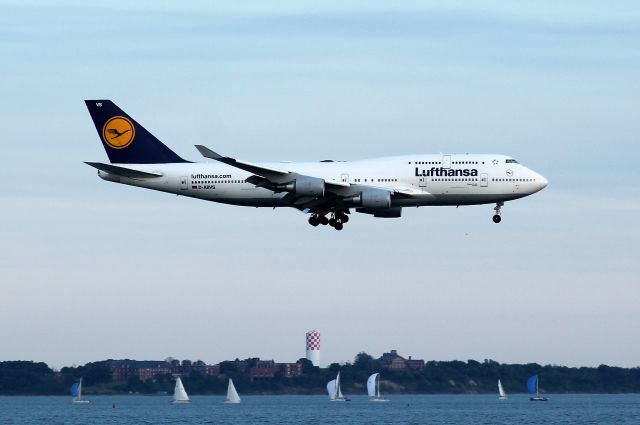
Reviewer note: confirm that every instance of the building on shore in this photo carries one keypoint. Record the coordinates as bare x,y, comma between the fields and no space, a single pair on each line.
267,369
123,370
392,360
256,369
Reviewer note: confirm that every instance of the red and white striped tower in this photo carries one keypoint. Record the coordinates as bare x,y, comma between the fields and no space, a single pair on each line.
313,347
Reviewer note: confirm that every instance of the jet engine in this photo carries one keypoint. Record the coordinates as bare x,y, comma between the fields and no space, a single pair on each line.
372,198
304,186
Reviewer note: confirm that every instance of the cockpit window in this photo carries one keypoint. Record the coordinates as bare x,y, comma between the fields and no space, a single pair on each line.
511,161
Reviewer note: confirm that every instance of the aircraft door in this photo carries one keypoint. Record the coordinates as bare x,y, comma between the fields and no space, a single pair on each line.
184,183
344,178
446,161
422,183
484,180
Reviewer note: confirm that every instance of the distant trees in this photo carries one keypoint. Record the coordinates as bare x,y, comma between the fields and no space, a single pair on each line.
25,377
91,373
229,367
307,367
365,363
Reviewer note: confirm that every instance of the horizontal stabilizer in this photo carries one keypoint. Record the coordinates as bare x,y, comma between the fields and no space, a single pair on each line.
122,171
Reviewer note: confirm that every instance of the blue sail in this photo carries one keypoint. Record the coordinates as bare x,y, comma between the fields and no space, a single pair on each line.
74,389
532,384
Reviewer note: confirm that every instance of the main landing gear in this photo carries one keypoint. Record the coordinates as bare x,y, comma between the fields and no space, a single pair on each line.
496,217
337,220
315,219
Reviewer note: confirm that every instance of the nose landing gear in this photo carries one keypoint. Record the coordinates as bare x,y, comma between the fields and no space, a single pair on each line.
496,217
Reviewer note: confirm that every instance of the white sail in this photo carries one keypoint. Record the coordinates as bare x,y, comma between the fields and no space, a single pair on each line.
334,390
179,393
339,395
371,385
373,389
331,389
232,394
79,391
503,395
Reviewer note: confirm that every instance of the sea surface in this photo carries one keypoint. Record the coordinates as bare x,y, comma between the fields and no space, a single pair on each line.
405,409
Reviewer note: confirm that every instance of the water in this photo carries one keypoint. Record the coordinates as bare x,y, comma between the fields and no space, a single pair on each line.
414,409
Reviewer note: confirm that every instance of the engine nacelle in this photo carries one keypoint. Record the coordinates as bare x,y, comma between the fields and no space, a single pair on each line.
305,186
373,199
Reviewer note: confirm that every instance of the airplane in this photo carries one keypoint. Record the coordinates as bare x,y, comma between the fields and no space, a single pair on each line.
327,190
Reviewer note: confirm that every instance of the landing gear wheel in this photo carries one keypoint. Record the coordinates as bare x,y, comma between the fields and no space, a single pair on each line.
314,221
332,222
338,226
497,218
324,220
344,218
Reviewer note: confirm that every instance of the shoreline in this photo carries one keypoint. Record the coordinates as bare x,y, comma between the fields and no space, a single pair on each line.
314,395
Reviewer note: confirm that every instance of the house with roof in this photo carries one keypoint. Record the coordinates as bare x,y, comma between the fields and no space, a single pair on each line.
393,361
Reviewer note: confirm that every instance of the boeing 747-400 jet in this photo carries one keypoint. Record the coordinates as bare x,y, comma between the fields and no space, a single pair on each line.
327,190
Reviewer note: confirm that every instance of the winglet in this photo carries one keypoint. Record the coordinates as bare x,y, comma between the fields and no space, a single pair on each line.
208,153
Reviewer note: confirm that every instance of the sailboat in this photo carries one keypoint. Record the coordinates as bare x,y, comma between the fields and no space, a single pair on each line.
232,394
335,393
503,395
532,387
76,392
373,388
179,394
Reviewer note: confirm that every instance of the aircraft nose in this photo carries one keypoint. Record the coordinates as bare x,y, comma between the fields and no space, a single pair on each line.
542,182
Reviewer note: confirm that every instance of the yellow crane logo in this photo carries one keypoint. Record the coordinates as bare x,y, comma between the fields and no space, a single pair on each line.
118,132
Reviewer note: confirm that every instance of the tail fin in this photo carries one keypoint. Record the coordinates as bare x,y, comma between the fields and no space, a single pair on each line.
126,141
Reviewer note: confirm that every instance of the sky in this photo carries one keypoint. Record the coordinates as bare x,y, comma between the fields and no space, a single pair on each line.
91,270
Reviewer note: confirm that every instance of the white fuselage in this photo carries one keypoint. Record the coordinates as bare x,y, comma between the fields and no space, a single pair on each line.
464,179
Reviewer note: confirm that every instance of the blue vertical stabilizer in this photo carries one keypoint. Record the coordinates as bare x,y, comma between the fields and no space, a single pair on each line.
126,141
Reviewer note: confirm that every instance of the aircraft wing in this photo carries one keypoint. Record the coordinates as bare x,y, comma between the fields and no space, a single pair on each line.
265,176
247,166
317,194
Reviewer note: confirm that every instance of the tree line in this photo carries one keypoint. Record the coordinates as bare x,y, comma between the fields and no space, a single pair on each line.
437,377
